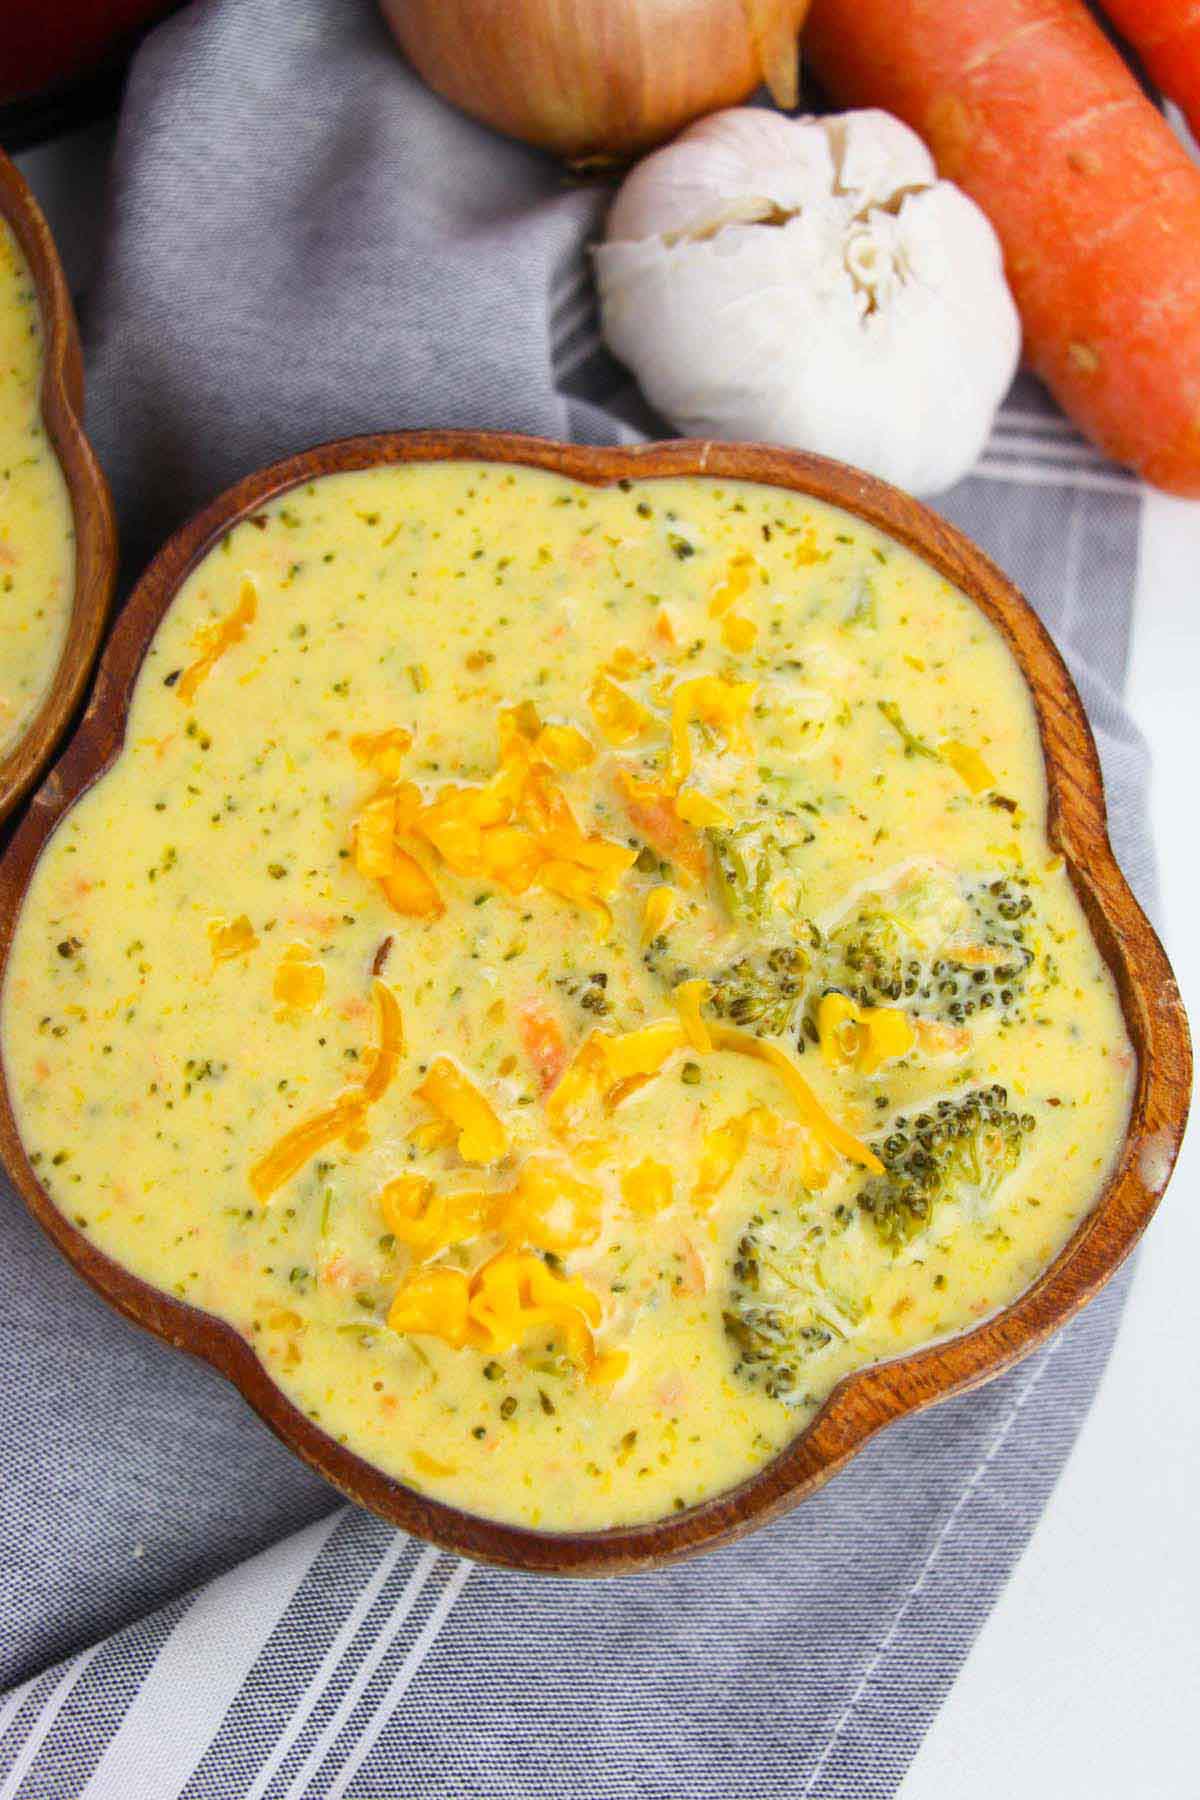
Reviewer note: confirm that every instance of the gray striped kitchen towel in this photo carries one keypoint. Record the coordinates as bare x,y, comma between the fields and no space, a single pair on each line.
304,242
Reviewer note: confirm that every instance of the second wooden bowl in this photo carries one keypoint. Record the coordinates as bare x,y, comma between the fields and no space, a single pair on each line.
91,503
872,1397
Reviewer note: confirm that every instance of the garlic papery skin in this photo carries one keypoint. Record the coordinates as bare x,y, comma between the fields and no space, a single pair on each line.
812,283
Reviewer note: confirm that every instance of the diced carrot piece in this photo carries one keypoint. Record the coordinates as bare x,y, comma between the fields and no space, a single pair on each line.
653,817
543,1042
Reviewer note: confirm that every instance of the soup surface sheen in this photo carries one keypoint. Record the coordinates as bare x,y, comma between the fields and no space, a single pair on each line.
36,532
568,974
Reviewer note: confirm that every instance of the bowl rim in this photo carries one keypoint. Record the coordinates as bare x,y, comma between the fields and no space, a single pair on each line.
91,504
869,1398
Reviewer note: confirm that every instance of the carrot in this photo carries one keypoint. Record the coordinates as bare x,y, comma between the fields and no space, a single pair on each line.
1166,35
656,822
694,1280
543,1042
1026,106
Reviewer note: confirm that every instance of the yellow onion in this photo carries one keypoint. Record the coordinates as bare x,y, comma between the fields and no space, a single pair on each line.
599,78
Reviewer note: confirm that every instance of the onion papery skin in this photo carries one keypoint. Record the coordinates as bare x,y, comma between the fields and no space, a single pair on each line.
599,79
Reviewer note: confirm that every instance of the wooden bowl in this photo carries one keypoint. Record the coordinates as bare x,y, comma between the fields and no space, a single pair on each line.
91,503
864,1401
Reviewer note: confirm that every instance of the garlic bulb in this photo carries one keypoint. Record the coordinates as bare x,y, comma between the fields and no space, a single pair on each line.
811,282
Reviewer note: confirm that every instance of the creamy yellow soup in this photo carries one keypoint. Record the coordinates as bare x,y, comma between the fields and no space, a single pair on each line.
568,975
37,548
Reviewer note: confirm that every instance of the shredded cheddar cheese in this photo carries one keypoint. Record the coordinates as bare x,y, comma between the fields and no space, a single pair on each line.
863,1037
513,1294
658,912
409,889
813,1114
548,1208
604,1064
516,1292
695,808
516,829
742,567
299,979
231,938
374,837
968,764
737,633
648,1187
621,718
480,1136
214,640
427,1221
722,1148
609,1369
382,751
434,1302
346,1118
707,700
689,997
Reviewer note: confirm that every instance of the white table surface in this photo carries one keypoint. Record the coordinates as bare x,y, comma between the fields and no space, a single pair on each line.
1085,1682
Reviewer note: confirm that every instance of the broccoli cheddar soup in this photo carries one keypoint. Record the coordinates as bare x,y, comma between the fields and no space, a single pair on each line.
36,532
568,974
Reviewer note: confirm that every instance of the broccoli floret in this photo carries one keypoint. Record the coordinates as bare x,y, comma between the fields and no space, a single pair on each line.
591,991
959,1149
952,954
779,1310
756,868
764,990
